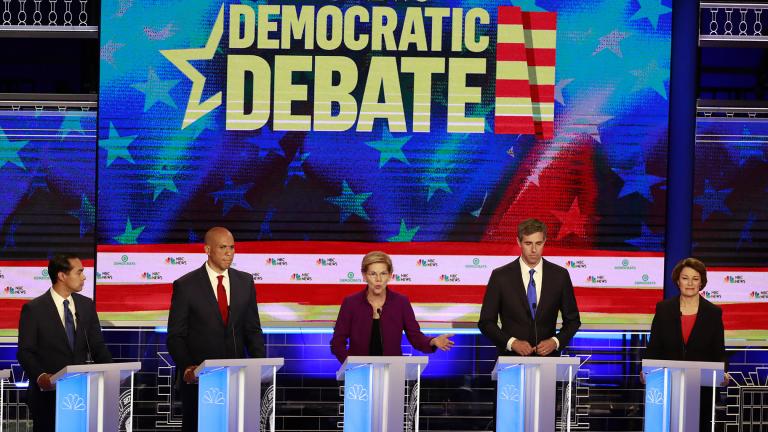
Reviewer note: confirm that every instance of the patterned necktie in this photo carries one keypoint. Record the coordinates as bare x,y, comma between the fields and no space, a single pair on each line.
69,325
532,293
222,295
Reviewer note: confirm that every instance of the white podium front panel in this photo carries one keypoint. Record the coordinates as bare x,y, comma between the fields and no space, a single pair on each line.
673,392
525,399
87,396
230,397
374,392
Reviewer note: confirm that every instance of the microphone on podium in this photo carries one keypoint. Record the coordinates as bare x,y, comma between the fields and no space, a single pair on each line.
89,356
535,330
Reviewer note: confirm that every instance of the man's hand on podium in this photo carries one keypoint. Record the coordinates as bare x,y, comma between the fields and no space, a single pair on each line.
522,347
545,347
44,382
189,374
442,342
726,378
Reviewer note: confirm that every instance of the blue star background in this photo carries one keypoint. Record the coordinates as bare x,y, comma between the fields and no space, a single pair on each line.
730,200
48,167
612,84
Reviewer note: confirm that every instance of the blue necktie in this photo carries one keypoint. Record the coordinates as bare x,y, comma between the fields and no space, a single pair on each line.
69,325
532,293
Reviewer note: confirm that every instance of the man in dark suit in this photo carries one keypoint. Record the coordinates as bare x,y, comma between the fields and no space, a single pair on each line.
57,329
527,295
213,316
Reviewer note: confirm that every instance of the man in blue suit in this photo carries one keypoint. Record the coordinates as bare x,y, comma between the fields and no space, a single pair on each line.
57,329
213,316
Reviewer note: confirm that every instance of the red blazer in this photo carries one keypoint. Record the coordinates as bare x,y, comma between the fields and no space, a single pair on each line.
355,319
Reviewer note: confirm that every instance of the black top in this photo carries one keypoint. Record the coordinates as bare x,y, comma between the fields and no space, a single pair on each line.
375,348
706,342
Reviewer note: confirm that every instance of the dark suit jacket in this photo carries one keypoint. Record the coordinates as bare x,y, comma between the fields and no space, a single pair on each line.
196,331
356,319
707,339
505,298
43,346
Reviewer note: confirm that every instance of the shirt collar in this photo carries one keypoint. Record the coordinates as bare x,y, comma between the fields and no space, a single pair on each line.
212,273
525,269
57,298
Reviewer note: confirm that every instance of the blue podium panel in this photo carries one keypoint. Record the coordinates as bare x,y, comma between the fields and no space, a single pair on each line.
658,389
357,399
72,403
213,401
510,405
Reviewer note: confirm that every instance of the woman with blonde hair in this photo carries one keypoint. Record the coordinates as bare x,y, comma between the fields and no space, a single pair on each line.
372,321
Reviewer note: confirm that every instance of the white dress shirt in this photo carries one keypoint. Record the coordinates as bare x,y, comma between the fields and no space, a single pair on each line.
525,271
214,277
58,300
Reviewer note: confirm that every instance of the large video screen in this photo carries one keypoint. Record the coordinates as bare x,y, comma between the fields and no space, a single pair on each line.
429,129
730,217
47,201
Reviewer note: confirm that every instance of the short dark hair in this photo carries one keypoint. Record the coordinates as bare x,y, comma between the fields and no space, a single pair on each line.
60,263
531,226
694,264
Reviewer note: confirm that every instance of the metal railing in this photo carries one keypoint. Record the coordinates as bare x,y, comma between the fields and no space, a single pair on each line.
733,23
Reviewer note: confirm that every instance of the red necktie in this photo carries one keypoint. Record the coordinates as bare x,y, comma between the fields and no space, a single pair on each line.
222,295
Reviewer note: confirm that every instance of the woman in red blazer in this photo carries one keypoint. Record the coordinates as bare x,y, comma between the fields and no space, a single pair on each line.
372,321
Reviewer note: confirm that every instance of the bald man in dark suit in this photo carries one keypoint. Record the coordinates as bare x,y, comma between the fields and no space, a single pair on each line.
213,315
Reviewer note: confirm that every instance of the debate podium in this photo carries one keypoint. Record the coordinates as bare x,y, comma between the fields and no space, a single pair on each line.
525,398
229,397
673,391
4,375
374,392
87,396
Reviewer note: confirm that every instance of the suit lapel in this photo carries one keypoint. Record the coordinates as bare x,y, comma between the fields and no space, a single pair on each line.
546,285
80,324
235,296
208,295
52,311
677,330
519,288
701,318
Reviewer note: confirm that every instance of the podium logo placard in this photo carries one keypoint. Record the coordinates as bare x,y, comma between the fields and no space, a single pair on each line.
510,400
511,393
358,408
655,397
357,392
73,402
657,403
124,412
214,396
213,402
